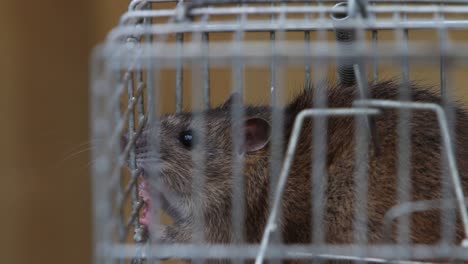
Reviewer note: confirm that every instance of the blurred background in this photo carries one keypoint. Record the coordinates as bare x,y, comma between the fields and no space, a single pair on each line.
45,197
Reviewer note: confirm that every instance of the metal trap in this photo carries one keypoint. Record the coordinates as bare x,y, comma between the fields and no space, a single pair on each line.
190,56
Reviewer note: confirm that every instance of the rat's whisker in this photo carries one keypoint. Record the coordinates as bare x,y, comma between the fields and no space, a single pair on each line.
86,143
78,152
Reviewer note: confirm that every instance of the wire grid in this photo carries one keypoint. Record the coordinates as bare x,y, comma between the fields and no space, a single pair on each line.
127,67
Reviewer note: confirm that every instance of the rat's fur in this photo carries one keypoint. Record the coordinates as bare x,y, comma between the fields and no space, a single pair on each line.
177,168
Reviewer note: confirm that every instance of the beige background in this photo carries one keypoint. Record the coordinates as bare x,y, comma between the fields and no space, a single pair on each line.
45,197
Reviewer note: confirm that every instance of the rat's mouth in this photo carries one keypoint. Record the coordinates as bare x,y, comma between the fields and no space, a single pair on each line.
167,204
145,196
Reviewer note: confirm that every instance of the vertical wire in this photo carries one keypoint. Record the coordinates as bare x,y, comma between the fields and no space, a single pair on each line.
443,35
179,73
364,128
134,120
198,157
132,154
206,70
150,77
362,137
238,214
308,67
200,98
308,77
277,147
375,68
319,175
141,232
115,107
274,159
153,112
277,126
179,67
404,140
375,37
200,126
136,201
117,110
121,219
448,216
272,65
200,104
361,180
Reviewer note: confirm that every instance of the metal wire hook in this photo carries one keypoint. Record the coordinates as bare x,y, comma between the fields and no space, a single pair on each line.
413,207
283,177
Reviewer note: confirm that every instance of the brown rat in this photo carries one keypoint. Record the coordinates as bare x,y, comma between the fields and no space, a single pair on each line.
179,141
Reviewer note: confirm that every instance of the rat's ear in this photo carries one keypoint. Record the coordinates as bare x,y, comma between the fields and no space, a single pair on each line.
235,97
257,134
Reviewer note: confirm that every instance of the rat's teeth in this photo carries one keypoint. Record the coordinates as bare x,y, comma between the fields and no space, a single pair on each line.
145,216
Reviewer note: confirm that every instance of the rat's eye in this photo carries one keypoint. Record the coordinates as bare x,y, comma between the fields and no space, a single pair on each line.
186,138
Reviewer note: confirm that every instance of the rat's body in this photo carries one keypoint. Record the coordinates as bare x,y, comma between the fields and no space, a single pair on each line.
177,168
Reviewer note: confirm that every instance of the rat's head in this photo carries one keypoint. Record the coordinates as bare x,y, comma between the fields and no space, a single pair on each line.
190,147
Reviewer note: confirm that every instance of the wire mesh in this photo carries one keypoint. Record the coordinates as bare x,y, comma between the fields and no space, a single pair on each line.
172,57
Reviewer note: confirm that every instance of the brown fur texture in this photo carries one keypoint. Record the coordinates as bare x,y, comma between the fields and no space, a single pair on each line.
177,168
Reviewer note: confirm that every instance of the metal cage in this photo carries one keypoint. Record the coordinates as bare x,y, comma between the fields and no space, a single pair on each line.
179,49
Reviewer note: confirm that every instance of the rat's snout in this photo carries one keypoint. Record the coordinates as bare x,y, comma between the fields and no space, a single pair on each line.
141,143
